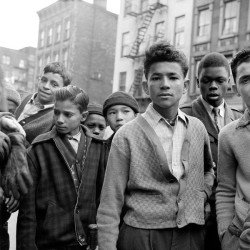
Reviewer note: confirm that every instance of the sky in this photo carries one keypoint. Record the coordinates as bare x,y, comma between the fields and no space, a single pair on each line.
19,21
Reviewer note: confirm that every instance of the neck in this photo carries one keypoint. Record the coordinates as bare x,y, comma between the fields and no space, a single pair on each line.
74,132
167,113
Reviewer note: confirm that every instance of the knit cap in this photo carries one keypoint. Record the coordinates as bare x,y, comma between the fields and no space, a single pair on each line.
120,98
12,94
95,108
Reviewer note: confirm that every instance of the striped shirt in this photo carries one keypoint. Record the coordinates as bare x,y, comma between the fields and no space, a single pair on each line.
171,137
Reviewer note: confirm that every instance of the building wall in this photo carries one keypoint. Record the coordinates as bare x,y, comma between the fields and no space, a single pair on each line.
167,13
19,67
91,45
227,44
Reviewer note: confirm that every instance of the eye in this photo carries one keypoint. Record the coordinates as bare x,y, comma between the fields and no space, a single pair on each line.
155,78
174,78
44,79
54,84
111,113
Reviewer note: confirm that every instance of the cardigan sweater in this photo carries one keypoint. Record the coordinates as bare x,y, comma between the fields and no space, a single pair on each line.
233,190
36,124
138,177
55,213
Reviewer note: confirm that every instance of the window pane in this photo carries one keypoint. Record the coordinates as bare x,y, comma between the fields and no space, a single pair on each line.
122,82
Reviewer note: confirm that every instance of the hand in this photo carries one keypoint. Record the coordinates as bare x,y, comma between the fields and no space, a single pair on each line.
12,204
9,124
5,146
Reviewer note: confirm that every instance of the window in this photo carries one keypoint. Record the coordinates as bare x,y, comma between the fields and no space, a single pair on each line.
203,23
144,5
230,18
231,82
56,57
22,64
41,41
58,33
122,81
49,37
159,30
6,60
48,59
65,57
179,31
125,44
40,64
67,29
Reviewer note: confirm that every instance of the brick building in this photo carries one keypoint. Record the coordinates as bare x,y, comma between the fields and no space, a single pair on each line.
82,36
19,67
223,26
142,22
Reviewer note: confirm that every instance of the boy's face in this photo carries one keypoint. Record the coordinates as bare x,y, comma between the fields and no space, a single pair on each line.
243,82
165,85
67,117
96,124
118,115
213,83
48,84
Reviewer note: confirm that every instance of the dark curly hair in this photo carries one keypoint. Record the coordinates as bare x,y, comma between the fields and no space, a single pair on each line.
164,52
239,58
58,68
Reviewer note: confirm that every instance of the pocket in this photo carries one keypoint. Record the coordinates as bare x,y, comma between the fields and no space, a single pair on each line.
57,223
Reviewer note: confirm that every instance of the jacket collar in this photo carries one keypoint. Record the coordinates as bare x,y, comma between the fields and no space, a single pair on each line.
244,120
52,134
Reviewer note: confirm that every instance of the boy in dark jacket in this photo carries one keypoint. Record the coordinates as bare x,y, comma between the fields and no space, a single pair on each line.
67,165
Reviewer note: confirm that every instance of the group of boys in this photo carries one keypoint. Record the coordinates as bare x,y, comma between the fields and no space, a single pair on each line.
151,184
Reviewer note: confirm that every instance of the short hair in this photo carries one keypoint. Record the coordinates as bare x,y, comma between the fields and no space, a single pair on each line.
164,52
213,59
239,58
58,68
74,94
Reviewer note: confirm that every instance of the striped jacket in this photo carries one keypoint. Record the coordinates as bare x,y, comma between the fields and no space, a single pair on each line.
54,213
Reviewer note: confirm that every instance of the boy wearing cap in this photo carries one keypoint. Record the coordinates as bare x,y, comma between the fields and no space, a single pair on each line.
13,97
160,168
95,120
118,109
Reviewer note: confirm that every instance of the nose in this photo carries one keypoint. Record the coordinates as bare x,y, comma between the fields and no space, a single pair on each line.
165,84
96,131
60,120
119,116
47,85
213,85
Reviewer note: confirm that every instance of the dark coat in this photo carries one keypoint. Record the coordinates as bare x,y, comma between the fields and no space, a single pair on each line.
54,213
198,110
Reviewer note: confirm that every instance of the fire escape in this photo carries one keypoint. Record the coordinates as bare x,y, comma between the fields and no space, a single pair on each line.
133,54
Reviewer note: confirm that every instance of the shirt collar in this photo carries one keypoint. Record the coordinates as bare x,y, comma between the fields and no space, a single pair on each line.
75,137
210,108
156,117
46,106
244,120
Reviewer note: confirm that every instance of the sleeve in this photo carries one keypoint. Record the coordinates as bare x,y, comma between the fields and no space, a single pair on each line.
225,192
208,167
112,197
26,223
244,241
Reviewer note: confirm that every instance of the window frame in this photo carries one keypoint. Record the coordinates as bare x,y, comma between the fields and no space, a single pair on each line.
179,32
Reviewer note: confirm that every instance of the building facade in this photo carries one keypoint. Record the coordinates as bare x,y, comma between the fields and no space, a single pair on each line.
222,26
141,23
82,36
19,68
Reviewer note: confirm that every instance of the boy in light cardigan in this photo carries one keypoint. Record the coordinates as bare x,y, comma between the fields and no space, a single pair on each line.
233,190
160,169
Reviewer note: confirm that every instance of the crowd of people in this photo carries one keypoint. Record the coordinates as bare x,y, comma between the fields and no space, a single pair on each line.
174,177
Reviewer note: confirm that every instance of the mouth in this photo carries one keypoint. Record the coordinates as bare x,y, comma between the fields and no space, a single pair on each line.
44,93
212,95
165,95
60,128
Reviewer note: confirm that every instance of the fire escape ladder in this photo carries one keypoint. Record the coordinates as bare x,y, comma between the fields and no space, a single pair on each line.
142,31
137,81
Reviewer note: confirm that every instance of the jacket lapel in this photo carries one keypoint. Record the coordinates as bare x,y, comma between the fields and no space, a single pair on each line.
159,151
201,113
229,116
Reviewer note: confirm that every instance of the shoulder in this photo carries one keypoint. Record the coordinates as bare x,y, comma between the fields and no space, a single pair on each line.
44,137
236,113
228,130
186,108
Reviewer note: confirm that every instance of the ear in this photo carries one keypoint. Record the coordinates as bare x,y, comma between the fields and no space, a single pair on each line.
84,116
145,87
186,86
197,82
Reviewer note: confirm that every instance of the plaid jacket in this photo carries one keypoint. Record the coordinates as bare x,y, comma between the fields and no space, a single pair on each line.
53,213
